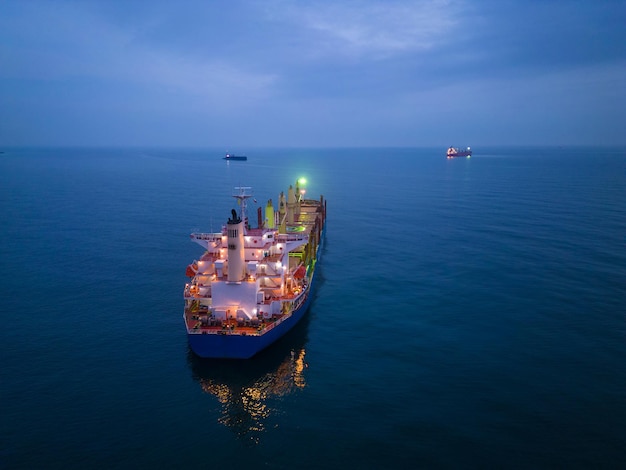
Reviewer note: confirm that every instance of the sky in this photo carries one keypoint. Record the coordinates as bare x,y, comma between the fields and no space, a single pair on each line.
279,73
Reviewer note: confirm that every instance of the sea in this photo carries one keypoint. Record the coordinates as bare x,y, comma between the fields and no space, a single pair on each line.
468,312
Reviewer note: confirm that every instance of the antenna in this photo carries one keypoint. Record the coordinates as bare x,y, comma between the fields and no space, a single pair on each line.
242,194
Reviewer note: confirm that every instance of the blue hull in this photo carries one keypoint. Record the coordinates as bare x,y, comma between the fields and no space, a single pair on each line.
244,347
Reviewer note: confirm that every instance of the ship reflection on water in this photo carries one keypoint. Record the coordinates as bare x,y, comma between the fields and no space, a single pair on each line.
249,391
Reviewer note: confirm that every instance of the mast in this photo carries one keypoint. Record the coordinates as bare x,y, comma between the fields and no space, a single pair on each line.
244,193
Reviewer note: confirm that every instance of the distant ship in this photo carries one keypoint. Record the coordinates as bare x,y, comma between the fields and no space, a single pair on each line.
252,285
230,156
456,152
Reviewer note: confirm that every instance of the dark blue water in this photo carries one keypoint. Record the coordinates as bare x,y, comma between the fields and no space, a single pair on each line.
469,312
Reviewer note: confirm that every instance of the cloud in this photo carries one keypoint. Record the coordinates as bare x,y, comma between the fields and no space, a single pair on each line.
60,41
335,72
362,29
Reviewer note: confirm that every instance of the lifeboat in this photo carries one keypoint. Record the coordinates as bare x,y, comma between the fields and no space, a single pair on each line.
300,272
192,270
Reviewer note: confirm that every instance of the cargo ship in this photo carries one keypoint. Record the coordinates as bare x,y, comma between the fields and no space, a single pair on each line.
252,285
230,156
456,152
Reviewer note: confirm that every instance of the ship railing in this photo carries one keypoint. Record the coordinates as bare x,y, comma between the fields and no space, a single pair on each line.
213,237
274,324
264,328
204,331
292,237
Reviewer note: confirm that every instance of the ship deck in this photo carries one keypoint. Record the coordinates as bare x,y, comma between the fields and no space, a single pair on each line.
196,324
200,322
